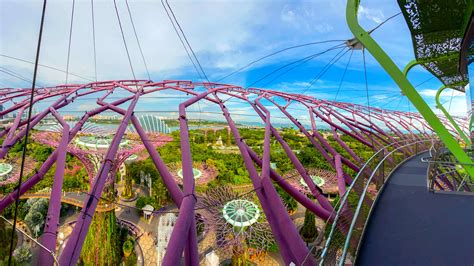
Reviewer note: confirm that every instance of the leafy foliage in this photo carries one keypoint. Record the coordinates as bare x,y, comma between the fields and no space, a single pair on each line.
309,232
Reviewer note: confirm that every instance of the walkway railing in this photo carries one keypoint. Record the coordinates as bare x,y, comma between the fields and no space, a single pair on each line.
446,174
356,204
72,198
26,241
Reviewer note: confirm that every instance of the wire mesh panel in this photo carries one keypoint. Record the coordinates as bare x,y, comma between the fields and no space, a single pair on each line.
446,174
347,228
26,249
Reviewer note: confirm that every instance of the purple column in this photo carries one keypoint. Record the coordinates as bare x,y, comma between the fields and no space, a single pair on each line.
73,247
48,239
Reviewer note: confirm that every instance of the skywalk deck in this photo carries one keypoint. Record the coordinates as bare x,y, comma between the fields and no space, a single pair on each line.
411,226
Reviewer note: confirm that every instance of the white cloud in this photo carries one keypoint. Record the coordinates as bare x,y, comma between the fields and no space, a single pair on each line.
374,14
427,92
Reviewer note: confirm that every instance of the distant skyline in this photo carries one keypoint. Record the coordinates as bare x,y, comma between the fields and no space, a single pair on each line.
226,35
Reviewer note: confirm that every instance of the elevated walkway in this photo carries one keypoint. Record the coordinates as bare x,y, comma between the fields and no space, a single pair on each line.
411,226
73,198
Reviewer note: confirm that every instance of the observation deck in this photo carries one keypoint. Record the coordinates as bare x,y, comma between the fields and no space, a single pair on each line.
411,226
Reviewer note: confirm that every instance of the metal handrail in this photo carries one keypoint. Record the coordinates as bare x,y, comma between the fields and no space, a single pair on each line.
448,166
363,169
53,255
359,205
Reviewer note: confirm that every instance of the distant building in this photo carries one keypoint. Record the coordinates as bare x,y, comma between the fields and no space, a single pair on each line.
152,124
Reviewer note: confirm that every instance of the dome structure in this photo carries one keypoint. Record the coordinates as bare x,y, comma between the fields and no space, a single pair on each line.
241,213
152,124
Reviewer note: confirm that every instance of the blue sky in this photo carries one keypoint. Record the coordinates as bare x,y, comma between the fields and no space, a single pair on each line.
225,35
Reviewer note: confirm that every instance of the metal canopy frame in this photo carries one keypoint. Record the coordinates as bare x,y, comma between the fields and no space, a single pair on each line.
437,30
407,88
347,119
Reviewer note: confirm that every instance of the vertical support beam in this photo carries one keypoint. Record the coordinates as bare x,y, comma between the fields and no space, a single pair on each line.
48,239
407,88
315,191
73,247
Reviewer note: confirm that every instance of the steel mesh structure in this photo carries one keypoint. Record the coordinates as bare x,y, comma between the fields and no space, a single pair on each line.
372,127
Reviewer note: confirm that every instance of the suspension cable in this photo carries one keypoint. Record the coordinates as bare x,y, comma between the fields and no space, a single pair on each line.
70,40
138,41
25,143
343,75
368,100
307,59
93,39
124,41
186,40
45,66
295,63
173,21
181,40
274,53
18,76
325,69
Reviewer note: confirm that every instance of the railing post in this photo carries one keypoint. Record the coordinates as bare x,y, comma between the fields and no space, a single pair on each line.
381,179
383,167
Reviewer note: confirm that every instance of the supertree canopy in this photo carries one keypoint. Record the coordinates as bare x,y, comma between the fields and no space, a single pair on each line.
241,213
91,144
373,128
324,179
5,170
236,222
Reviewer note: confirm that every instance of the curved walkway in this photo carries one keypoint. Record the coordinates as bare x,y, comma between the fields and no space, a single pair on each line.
411,226
76,198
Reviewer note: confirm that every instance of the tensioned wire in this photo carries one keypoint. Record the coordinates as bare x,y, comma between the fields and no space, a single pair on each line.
123,39
343,75
25,143
174,20
298,62
93,39
326,68
138,41
290,69
275,53
70,40
18,76
45,66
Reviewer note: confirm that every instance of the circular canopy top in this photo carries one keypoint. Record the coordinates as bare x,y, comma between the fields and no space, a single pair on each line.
147,209
197,173
318,181
241,213
97,142
5,169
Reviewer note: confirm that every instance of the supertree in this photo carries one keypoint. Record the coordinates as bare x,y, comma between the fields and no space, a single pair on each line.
202,172
236,222
91,144
373,128
90,147
326,180
10,170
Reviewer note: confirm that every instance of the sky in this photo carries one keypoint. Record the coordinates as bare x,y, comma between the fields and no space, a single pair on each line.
225,36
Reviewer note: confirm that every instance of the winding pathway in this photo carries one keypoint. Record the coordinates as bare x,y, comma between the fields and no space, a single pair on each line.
411,226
